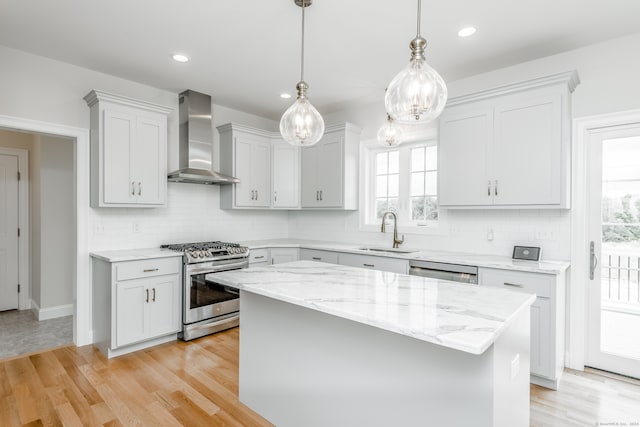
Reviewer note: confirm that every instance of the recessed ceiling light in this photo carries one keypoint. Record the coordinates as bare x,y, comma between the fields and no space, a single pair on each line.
467,31
180,58
285,95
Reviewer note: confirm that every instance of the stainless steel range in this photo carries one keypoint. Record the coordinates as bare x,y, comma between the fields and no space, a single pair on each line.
209,307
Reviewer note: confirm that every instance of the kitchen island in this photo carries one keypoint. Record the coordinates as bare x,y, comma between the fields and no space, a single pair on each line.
328,345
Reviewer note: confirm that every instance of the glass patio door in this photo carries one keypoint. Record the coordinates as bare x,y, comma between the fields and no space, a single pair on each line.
613,314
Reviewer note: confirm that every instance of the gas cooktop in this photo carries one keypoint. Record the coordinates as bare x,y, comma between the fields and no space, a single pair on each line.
209,251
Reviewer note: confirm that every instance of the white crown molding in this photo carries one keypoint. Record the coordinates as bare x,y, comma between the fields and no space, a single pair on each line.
228,127
97,95
570,78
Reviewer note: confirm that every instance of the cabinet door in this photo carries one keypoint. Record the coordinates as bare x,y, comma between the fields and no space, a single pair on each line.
261,174
164,306
280,255
148,164
130,311
310,169
330,169
541,361
528,151
286,175
244,189
119,134
464,163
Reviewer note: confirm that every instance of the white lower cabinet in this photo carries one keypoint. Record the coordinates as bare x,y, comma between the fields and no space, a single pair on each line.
547,318
280,255
394,265
136,304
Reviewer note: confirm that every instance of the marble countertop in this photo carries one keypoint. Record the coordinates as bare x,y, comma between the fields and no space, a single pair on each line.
487,261
460,316
134,254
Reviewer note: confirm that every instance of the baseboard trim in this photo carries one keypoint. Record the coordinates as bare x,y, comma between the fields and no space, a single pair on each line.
51,312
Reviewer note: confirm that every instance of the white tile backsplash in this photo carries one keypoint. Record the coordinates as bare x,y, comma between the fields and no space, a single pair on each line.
193,214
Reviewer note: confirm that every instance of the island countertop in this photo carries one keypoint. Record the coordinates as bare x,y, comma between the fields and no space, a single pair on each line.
463,317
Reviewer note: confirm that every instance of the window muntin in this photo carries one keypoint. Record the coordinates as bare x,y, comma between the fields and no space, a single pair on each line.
424,183
387,187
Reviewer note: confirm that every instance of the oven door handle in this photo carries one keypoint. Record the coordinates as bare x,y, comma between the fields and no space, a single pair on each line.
216,268
232,290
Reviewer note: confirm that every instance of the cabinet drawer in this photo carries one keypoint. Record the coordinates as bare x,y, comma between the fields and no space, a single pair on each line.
375,262
147,268
535,283
320,256
257,256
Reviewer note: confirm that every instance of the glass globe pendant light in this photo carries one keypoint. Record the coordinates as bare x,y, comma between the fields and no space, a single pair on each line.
302,125
416,94
390,133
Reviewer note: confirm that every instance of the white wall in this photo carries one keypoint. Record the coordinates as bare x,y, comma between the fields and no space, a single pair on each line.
57,229
609,82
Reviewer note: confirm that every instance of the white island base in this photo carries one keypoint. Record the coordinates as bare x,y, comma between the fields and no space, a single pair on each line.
301,367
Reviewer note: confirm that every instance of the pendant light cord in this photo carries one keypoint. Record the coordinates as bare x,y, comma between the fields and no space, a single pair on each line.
304,5
419,16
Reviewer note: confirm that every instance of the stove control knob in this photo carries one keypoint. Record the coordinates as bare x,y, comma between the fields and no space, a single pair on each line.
206,253
232,250
193,254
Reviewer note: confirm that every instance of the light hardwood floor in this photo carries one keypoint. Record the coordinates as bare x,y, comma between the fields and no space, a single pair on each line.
196,384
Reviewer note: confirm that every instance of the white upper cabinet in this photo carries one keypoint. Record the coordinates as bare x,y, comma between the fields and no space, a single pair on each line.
508,147
128,151
276,175
285,166
330,169
245,153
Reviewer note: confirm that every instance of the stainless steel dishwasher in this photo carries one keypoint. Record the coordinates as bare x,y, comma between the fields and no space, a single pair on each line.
444,271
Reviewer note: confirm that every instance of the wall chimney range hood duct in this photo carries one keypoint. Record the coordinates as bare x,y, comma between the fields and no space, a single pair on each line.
196,142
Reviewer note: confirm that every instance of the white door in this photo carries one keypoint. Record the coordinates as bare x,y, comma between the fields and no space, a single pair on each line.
163,306
149,153
286,175
119,129
464,158
528,130
261,173
613,335
310,169
8,232
331,165
132,297
245,193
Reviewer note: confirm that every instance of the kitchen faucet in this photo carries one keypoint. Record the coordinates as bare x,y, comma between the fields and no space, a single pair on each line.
396,242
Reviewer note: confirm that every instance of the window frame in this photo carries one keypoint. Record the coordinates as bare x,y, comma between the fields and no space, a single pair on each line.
368,152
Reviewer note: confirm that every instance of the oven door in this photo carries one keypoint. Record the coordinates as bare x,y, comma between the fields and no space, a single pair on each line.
204,299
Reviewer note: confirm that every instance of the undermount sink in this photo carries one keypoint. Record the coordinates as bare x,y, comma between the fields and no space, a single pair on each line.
390,250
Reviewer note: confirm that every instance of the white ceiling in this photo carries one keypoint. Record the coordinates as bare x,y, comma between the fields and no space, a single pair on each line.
245,53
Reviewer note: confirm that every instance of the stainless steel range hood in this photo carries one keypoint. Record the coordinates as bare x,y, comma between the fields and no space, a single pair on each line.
196,142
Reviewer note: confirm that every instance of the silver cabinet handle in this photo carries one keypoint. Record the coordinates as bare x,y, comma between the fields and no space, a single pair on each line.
320,194
154,295
317,195
369,265
147,291
316,258
593,260
149,270
495,188
256,194
489,188
259,257
252,196
133,188
139,189
513,284
275,196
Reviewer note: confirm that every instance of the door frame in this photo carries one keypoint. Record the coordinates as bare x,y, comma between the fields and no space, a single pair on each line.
24,298
82,332
584,130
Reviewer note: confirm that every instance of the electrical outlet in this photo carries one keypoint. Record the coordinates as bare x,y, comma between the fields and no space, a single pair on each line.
98,229
544,235
490,235
136,227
